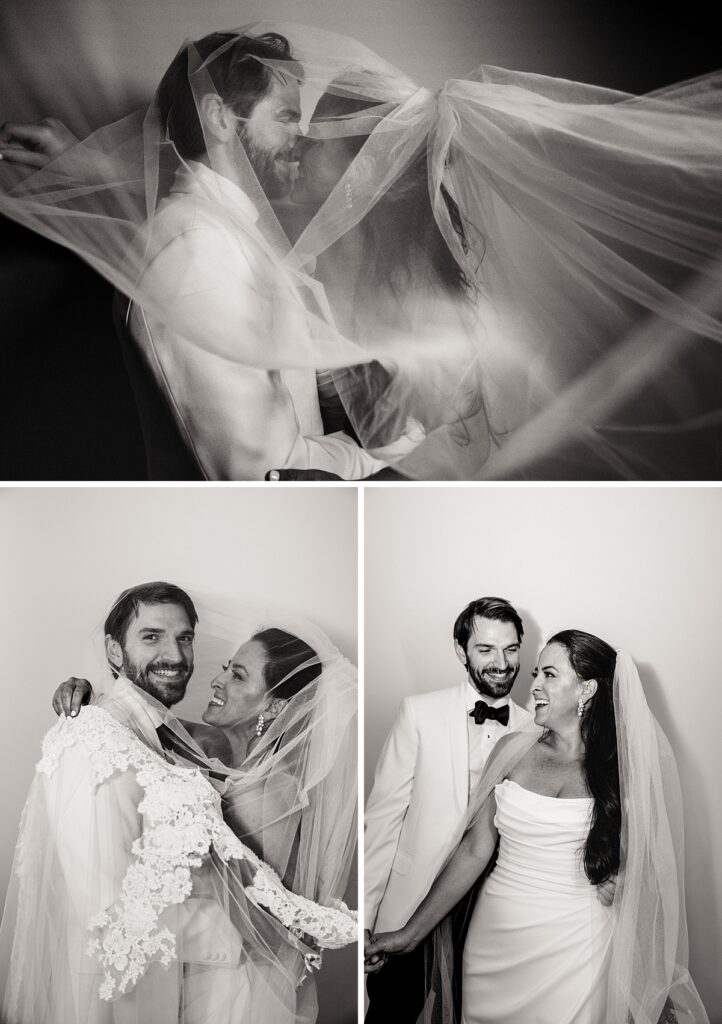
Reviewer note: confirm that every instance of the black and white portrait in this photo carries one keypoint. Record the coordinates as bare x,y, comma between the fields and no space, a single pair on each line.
476,242
187,731
540,739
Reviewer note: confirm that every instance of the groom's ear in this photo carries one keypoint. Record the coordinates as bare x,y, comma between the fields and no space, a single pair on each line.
114,651
460,653
216,117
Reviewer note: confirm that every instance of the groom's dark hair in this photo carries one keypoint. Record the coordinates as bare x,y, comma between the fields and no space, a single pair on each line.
126,606
238,74
487,608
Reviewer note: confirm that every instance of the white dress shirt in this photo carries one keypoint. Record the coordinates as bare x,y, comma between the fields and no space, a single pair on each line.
482,738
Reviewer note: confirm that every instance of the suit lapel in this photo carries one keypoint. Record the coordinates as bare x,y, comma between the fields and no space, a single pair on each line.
459,740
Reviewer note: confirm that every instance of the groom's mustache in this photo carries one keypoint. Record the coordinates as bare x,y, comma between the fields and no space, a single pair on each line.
167,666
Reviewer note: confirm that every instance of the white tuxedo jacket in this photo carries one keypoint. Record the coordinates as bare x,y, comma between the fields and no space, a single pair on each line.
418,803
207,267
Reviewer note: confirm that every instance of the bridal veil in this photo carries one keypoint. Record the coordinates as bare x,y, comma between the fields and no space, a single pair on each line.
132,900
513,276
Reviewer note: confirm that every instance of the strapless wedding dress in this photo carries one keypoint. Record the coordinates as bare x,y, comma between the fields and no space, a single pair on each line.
537,947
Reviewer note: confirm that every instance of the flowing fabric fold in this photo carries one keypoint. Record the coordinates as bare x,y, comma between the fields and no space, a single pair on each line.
516,276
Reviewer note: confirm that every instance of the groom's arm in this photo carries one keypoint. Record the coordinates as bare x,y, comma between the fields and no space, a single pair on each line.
208,334
386,807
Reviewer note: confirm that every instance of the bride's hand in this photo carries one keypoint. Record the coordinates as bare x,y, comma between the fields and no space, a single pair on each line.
70,696
36,143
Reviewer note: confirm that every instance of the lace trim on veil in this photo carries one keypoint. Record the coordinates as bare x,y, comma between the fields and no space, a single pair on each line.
182,821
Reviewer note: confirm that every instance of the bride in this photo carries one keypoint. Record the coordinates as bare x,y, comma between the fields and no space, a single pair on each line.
582,920
267,895
521,274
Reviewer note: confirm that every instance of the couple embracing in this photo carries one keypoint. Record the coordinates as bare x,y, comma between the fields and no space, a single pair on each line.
527,868
336,271
186,872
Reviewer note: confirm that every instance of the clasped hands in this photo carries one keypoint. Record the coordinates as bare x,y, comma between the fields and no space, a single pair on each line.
379,947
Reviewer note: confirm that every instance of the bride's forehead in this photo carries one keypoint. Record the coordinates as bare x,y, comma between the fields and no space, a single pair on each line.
553,655
251,653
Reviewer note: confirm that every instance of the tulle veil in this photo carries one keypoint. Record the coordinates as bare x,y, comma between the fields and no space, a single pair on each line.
514,276
648,975
292,804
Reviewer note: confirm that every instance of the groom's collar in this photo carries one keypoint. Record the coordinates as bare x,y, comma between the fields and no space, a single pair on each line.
141,701
473,695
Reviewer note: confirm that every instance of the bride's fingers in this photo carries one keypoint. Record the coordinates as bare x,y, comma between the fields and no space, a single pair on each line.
23,157
383,944
35,143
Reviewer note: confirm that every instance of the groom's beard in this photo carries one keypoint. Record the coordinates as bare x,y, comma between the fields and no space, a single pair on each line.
169,688
272,167
491,682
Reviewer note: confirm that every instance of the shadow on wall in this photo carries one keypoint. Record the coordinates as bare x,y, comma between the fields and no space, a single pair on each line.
531,645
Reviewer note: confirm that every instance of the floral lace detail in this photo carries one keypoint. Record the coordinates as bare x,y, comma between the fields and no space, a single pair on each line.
182,821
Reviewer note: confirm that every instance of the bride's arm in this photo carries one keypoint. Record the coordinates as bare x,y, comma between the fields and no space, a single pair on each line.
468,862
35,143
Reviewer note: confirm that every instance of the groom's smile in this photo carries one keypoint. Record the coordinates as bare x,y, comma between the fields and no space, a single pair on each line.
491,657
157,651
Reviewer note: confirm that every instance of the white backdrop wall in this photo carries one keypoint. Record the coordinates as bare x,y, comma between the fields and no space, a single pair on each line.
66,553
640,567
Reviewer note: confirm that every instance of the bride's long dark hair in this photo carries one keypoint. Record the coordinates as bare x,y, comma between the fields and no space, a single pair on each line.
592,658
401,226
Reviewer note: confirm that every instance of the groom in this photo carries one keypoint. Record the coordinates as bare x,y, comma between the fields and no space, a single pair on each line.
149,634
431,761
210,272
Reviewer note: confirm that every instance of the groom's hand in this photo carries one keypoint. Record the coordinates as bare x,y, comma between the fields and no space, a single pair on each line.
70,696
372,962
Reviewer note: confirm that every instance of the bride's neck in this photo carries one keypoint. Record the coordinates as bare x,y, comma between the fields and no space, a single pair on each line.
240,739
567,743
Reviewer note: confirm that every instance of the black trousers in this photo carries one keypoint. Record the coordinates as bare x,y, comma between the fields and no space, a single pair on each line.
396,993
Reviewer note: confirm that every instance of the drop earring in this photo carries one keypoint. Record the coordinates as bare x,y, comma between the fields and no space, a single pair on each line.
580,706
348,192
260,723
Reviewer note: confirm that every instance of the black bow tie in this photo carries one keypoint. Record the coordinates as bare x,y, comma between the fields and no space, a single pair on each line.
482,711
